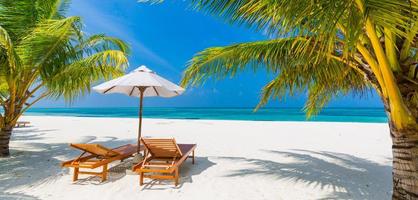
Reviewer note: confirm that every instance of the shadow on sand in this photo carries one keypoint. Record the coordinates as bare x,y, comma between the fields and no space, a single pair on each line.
17,196
187,171
349,177
29,133
39,163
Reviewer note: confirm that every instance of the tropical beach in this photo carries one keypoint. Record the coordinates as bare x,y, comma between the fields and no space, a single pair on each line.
209,99
234,160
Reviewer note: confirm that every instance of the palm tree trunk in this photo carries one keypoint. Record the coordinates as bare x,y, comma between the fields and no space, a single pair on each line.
5,133
405,163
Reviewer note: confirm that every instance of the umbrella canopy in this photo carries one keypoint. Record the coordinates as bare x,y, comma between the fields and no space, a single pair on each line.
131,84
141,82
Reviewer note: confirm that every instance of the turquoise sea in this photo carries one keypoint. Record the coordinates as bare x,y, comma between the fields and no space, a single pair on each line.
265,114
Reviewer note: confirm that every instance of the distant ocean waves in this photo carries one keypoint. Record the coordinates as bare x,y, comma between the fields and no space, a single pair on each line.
265,114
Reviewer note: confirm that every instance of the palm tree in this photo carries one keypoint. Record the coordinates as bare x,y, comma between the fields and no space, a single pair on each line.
44,54
329,48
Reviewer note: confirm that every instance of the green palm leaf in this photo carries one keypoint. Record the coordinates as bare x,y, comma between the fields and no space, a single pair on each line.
45,54
371,42
294,68
9,60
77,77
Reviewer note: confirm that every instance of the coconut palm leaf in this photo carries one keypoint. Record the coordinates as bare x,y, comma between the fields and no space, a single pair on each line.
287,15
18,17
365,35
8,58
47,37
294,69
77,77
328,48
100,42
45,53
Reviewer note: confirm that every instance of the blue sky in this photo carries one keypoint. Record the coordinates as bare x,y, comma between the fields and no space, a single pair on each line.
164,37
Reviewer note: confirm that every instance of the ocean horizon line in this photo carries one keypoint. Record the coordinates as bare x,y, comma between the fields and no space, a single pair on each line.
214,107
210,113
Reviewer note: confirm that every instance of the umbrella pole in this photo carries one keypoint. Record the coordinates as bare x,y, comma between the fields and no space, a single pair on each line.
141,99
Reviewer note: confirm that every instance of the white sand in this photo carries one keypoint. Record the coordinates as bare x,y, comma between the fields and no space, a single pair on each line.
236,160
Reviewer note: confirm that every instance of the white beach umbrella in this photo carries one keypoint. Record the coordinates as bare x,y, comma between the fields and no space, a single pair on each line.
141,82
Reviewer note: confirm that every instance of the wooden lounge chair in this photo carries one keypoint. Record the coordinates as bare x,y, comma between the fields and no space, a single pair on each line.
163,159
22,124
96,155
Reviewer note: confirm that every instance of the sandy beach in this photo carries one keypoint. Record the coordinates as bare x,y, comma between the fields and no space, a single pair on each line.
235,160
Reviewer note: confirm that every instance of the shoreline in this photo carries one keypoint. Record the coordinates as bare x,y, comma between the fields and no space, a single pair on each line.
199,119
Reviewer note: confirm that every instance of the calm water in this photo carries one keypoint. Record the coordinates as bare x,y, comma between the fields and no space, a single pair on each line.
266,114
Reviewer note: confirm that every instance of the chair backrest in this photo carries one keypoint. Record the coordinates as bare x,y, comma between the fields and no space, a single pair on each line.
162,148
96,149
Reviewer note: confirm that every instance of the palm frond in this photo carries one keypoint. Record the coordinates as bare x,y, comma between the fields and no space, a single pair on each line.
48,41
223,61
101,42
76,78
296,71
50,9
54,55
10,59
4,89
18,17
301,15
321,82
328,21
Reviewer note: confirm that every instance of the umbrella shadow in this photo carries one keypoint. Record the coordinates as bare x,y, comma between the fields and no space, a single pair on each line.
349,177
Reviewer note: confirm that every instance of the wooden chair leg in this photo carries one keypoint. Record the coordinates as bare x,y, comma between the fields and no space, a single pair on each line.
75,175
176,177
193,157
104,173
141,179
